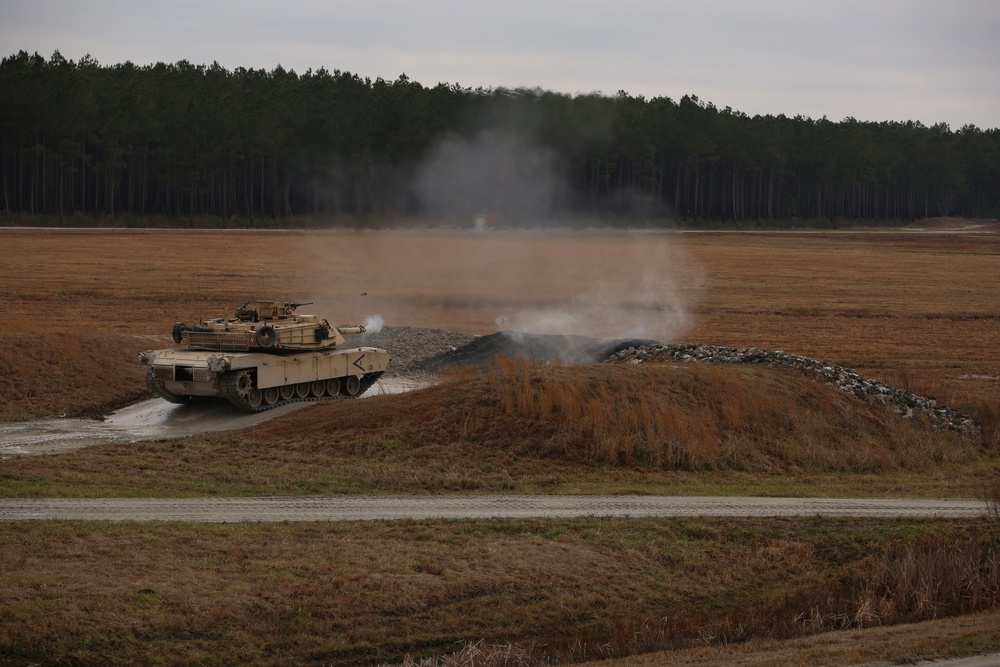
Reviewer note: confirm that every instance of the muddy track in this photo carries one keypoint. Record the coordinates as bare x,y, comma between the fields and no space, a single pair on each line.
373,508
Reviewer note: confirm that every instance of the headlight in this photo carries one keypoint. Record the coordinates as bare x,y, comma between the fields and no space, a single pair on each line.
217,364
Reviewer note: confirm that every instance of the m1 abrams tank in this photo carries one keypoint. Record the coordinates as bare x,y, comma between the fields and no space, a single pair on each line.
263,356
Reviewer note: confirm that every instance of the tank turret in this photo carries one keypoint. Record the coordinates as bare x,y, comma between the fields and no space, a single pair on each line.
265,325
263,356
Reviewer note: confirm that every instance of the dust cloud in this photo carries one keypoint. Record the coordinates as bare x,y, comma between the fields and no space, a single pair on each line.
598,283
621,284
496,247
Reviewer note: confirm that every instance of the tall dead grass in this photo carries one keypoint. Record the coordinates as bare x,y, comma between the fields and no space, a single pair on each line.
993,502
908,583
696,417
929,581
969,400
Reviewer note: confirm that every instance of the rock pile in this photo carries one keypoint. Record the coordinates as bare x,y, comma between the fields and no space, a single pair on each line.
570,349
411,345
905,403
418,351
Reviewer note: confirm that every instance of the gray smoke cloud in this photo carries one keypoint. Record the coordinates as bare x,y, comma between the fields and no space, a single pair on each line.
533,266
497,173
622,284
373,323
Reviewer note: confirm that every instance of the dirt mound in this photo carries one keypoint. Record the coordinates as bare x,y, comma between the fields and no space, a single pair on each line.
905,403
481,351
416,351
663,417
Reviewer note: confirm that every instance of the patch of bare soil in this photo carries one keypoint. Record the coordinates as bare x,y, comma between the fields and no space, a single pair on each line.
945,222
966,635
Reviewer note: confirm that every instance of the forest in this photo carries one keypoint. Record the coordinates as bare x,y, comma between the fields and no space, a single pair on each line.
200,142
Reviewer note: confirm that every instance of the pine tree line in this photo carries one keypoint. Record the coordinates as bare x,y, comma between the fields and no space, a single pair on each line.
190,140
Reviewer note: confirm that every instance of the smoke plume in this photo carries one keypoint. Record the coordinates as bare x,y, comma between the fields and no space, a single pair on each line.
624,285
531,267
497,173
373,324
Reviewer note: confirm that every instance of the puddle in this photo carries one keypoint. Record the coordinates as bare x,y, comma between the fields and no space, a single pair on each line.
395,385
155,419
48,436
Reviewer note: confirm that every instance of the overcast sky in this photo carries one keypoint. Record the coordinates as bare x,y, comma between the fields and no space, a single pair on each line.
927,60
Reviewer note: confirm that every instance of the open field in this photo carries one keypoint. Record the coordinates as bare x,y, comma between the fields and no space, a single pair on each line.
355,593
915,309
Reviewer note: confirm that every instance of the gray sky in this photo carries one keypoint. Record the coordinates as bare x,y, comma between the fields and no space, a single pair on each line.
927,60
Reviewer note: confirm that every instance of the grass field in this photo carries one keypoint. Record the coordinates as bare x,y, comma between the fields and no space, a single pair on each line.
917,310
347,593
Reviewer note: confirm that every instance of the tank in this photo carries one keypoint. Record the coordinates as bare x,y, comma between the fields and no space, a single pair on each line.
263,356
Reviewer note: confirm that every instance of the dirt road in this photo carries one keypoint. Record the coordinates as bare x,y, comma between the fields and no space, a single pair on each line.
154,419
991,660
371,508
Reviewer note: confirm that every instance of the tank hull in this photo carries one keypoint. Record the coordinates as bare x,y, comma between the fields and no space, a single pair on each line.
255,381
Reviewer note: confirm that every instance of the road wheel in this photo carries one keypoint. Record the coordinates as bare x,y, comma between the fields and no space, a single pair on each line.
255,398
351,386
302,389
287,392
333,386
317,388
271,395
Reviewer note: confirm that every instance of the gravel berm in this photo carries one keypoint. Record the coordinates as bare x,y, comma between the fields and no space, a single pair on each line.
410,345
419,352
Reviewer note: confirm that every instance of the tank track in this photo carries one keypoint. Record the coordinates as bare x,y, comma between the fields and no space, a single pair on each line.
227,387
156,385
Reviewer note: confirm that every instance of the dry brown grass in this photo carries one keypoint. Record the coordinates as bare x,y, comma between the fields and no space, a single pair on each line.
915,309
936,578
889,305
968,635
69,373
687,417
918,306
643,417
342,594
541,592
679,429
929,580
993,501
